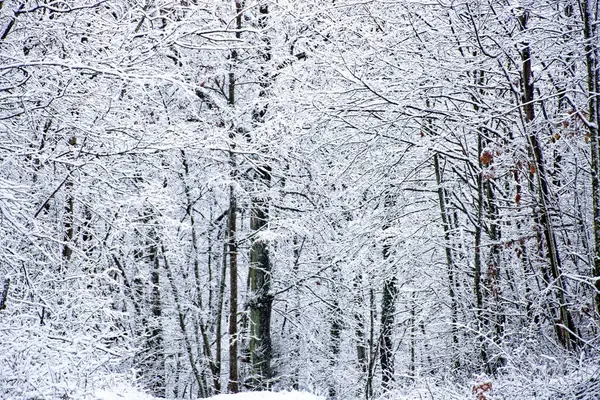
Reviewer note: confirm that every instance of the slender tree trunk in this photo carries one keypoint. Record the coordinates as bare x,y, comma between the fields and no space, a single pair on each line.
155,339
233,384
361,345
297,307
494,270
182,325
219,319
449,259
388,312
477,259
4,293
413,335
386,344
593,86
565,327
335,331
372,346
69,218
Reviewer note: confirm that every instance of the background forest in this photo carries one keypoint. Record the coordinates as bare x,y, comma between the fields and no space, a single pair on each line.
359,198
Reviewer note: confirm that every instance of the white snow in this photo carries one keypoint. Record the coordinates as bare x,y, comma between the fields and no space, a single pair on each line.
136,395
130,394
268,396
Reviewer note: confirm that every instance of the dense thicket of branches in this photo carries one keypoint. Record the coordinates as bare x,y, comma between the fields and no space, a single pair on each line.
349,197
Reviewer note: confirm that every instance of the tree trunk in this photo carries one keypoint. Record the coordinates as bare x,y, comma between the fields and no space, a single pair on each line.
335,330
219,330
4,293
261,300
361,345
69,219
386,344
155,372
477,259
233,384
565,328
388,311
449,259
593,87
372,346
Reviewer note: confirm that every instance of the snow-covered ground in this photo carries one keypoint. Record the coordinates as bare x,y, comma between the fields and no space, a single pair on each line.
268,396
130,394
136,395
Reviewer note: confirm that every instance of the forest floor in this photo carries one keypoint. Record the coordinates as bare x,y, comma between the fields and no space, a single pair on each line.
136,395
585,386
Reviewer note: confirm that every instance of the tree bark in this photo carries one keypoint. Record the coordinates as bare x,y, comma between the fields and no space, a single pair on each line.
69,219
155,372
233,384
477,259
388,312
593,87
565,328
261,300
449,259
361,345
386,343
260,264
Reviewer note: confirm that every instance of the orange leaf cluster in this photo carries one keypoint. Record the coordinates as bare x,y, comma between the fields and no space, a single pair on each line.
486,158
481,390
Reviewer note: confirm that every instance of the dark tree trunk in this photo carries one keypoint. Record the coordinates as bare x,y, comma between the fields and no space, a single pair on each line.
260,264
565,328
261,300
388,311
593,87
449,259
233,383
